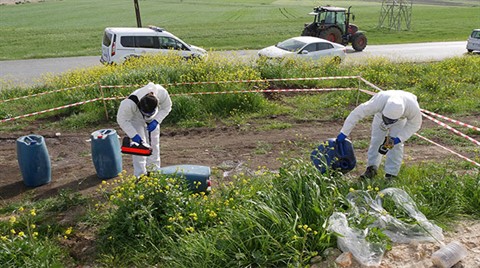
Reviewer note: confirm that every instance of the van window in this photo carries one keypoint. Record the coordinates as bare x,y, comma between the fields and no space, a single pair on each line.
107,39
146,41
140,41
171,43
127,41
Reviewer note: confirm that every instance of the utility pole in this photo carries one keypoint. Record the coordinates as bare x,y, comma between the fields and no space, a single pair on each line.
137,13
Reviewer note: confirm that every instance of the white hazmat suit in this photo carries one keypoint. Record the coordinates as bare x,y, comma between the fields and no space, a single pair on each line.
399,105
134,122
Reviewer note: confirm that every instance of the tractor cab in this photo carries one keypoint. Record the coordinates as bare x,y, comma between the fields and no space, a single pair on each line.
328,16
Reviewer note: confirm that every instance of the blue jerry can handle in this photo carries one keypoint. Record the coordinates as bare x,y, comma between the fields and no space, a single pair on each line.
30,141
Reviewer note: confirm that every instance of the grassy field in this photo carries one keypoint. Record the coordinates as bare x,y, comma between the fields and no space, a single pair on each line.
75,28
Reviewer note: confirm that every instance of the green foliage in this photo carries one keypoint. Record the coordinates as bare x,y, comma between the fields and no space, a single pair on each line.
31,236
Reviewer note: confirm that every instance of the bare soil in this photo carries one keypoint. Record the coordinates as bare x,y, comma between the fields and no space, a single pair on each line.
223,148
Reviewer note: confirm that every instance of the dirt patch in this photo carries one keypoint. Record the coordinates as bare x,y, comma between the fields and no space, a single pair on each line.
222,148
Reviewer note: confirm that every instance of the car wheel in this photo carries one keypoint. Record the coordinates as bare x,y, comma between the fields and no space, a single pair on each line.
359,42
470,50
331,34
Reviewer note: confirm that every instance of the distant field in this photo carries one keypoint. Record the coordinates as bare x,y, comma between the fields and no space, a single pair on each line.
53,28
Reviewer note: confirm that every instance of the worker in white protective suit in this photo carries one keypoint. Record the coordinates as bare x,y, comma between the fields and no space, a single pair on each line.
397,117
140,116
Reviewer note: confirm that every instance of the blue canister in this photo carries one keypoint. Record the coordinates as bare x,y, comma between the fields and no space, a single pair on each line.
198,177
34,161
339,156
106,154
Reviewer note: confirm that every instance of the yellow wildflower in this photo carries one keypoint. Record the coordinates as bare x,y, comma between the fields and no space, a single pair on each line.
68,231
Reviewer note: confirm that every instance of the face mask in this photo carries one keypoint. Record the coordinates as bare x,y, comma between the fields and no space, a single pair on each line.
388,121
148,114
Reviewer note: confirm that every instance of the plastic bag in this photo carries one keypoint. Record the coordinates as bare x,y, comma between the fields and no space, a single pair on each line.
354,240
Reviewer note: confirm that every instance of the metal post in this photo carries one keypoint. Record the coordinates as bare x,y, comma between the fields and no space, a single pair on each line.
137,13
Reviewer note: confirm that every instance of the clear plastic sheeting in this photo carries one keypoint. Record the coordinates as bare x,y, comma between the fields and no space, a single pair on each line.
354,240
362,204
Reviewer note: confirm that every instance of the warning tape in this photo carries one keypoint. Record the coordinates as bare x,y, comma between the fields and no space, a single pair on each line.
45,93
182,94
49,110
370,84
452,129
451,151
265,91
241,81
188,83
452,120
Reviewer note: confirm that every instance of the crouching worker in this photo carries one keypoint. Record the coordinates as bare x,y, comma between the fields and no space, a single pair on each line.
397,117
140,116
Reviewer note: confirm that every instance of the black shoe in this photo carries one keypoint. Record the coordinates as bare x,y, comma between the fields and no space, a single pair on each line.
390,176
370,173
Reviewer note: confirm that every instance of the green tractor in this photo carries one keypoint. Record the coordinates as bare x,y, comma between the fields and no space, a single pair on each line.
333,24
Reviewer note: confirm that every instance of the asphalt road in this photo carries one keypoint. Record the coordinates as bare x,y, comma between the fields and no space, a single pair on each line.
26,73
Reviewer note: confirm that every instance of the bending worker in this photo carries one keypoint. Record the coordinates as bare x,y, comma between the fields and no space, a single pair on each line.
397,117
140,116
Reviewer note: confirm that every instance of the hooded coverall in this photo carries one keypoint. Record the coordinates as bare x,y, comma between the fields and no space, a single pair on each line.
133,122
409,123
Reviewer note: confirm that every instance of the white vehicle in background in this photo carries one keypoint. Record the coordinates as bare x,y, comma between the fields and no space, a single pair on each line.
473,42
305,47
120,44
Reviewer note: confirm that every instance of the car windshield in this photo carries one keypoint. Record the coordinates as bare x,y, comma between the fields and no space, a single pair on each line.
291,45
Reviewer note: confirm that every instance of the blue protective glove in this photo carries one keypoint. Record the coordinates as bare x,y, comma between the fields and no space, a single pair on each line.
152,125
396,140
341,137
137,139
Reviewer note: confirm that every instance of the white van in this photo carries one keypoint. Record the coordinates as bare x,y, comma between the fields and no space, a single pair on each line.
120,44
473,42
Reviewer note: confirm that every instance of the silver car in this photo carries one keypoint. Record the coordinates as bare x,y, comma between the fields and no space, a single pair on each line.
473,42
306,47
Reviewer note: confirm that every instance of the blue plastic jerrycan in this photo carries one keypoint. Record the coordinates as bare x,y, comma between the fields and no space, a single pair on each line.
335,156
106,154
34,161
198,177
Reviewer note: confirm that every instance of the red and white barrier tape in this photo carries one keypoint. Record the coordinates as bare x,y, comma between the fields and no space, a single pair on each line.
452,120
244,81
264,91
452,129
45,93
370,84
451,151
49,110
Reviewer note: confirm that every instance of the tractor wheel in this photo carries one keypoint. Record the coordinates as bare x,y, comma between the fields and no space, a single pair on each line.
331,34
309,30
359,42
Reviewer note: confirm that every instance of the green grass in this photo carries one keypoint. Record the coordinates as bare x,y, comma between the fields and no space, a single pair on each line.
75,28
